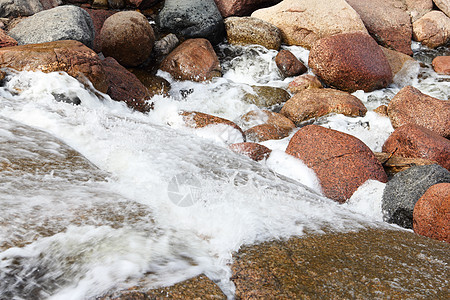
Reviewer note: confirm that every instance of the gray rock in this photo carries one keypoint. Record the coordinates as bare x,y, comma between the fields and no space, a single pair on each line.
16,8
404,190
66,22
193,19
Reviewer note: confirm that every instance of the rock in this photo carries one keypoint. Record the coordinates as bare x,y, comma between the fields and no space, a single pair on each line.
350,62
155,85
258,117
441,65
418,8
404,190
249,31
242,7
432,30
254,151
192,19
304,82
195,119
288,64
128,37
410,105
382,110
165,45
116,4
393,164
389,25
19,8
48,4
100,3
98,17
397,60
412,140
443,5
194,59
142,3
71,57
431,213
265,132
339,266
315,103
342,164
6,40
266,96
125,86
303,22
65,22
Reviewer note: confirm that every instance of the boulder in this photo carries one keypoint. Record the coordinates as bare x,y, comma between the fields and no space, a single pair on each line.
65,22
418,8
431,213
404,190
288,64
125,86
388,24
315,103
266,96
303,22
304,82
71,57
350,62
410,105
443,5
397,60
412,140
242,7
341,162
98,17
19,8
6,40
254,151
128,37
192,19
194,59
195,119
441,65
248,31
432,30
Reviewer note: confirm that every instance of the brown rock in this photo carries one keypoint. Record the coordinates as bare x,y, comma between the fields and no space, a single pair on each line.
432,30
315,103
288,64
412,140
155,85
418,8
71,57
443,5
194,59
128,37
350,62
303,82
6,40
98,17
382,110
412,106
266,96
303,22
431,216
258,117
341,162
265,132
441,65
353,265
397,60
255,151
229,8
249,31
393,164
196,119
125,86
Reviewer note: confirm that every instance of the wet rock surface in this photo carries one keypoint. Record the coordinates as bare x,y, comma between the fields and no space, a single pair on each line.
6,40
266,96
196,119
304,82
441,65
254,151
288,64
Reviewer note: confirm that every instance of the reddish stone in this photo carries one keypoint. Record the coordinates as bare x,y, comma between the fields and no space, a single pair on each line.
288,64
382,110
412,140
264,132
441,65
197,119
432,30
255,151
6,40
412,106
304,82
257,117
194,59
242,7
341,162
98,17
431,216
350,62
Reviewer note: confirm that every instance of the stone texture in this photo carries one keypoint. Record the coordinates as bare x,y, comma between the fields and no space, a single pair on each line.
432,30
266,96
155,85
265,132
303,22
315,103
411,106
258,117
65,22
404,190
242,7
382,110
412,140
397,60
250,31
71,57
195,119
304,82
288,64
116,4
393,164
98,17
128,37
354,265
19,8
125,86
441,65
341,162
443,5
254,151
431,215
418,8
142,3
48,4
350,62
6,40
194,60
388,24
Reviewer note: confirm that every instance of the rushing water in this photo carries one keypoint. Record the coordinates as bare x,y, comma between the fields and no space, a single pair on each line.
149,200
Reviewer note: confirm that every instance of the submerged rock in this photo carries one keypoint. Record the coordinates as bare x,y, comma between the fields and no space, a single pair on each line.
254,151
265,125
266,96
432,30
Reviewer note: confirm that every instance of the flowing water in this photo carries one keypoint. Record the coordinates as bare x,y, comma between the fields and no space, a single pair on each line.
96,197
